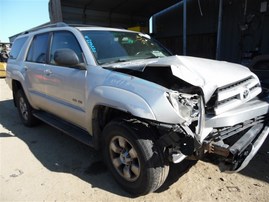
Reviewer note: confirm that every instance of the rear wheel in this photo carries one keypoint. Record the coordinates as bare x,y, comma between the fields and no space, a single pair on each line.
133,157
25,109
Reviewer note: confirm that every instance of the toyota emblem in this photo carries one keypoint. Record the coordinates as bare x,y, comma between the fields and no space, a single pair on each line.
245,94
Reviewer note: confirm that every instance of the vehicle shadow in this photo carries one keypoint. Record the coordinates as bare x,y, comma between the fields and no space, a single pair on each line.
175,173
60,153
258,167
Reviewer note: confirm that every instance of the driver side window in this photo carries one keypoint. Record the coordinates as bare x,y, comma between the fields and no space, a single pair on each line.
65,40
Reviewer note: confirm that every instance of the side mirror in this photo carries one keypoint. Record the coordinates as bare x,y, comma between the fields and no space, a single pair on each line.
66,57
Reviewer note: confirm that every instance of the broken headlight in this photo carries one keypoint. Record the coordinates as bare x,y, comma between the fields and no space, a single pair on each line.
185,105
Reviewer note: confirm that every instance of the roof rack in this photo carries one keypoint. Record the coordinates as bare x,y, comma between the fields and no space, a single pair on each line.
47,25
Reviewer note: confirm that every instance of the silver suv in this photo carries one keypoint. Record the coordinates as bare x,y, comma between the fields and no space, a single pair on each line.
123,93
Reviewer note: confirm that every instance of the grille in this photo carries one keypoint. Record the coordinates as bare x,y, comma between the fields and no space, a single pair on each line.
231,96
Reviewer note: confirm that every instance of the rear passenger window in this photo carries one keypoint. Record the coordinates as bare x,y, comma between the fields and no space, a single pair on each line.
16,47
63,40
38,49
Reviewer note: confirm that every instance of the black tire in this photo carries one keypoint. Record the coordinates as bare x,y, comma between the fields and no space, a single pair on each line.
25,109
136,162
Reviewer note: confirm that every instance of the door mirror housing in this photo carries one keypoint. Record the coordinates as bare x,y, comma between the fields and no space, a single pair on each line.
67,57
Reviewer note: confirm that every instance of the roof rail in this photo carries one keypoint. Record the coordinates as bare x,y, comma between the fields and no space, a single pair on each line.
47,25
82,25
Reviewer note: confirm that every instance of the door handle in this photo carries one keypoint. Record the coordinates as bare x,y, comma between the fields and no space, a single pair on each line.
48,72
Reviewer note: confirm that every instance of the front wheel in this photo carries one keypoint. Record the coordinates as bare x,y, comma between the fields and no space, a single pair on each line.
135,161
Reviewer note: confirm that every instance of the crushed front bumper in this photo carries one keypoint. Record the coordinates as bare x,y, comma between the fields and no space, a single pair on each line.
255,146
238,134
235,157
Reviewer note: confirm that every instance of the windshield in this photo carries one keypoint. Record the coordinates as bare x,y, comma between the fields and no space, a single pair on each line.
116,46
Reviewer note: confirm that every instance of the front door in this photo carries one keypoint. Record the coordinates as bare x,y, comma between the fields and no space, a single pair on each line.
65,86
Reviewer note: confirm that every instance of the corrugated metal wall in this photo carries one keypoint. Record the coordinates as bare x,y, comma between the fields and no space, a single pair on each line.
245,29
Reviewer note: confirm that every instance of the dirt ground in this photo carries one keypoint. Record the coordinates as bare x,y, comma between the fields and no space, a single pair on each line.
42,164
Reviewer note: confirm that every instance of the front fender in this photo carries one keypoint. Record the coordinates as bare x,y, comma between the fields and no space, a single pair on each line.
123,100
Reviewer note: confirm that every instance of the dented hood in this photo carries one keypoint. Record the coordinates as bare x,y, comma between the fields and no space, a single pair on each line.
204,73
199,71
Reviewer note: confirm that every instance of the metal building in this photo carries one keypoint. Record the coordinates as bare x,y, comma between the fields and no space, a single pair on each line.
116,13
232,30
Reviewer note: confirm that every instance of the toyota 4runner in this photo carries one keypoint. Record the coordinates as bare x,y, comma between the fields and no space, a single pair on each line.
123,93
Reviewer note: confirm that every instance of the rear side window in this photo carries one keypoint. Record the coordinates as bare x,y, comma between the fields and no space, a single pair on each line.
16,47
38,49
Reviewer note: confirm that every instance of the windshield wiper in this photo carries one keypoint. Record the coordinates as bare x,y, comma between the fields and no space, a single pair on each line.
153,56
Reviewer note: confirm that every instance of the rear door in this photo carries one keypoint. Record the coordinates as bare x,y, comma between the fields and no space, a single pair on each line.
34,67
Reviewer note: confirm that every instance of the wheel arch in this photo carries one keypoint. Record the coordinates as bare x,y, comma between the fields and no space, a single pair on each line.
16,85
101,116
108,103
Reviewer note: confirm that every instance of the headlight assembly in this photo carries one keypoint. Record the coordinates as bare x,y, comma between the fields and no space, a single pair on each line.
187,106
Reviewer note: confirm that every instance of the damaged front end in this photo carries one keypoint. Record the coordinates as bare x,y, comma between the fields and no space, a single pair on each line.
231,138
199,112
232,147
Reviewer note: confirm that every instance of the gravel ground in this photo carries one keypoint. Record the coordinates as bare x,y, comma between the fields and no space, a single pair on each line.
42,164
